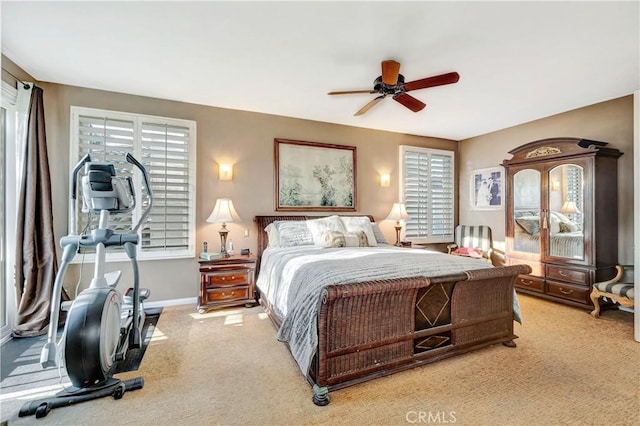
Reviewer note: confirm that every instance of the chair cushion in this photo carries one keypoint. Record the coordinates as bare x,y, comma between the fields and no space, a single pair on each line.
619,289
468,252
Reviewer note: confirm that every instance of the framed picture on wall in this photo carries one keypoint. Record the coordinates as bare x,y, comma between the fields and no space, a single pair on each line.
487,189
313,176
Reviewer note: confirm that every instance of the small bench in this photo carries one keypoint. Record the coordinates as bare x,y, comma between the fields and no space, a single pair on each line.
618,289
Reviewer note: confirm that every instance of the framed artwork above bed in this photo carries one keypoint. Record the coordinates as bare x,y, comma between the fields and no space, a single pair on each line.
311,176
487,189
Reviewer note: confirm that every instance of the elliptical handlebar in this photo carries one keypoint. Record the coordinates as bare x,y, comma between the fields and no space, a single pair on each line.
74,193
145,177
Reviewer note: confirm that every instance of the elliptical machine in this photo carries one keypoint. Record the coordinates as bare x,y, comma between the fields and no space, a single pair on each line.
102,324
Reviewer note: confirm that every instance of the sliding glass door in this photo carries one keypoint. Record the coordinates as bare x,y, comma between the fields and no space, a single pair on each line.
7,291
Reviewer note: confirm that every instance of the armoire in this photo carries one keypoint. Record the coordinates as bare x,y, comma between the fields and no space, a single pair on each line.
562,216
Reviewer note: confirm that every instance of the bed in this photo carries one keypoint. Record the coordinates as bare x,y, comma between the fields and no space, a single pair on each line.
351,314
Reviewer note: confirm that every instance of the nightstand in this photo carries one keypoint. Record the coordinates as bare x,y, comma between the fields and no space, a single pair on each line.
227,282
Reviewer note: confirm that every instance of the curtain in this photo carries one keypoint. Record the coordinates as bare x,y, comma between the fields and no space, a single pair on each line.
36,260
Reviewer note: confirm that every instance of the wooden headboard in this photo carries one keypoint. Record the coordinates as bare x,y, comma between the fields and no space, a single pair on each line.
264,221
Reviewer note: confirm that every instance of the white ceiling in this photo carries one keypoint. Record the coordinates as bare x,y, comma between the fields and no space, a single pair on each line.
517,61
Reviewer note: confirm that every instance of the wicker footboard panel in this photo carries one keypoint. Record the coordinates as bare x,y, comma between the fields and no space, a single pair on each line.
367,330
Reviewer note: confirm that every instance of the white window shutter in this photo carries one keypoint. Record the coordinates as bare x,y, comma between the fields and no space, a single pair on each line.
427,189
165,155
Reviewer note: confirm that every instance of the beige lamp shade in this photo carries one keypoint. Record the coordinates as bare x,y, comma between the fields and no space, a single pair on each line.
398,212
569,207
223,212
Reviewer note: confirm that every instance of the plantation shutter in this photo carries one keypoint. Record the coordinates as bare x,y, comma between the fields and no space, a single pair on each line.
105,139
165,152
166,148
427,189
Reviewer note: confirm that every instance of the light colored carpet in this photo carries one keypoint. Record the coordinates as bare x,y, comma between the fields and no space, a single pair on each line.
226,367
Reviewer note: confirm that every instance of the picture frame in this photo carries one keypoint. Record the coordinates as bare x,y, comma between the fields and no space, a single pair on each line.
313,176
487,189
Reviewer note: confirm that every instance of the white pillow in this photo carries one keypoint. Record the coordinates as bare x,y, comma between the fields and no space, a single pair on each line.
380,238
318,227
360,223
273,235
564,219
293,233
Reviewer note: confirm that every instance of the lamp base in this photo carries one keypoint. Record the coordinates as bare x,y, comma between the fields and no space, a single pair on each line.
223,242
398,228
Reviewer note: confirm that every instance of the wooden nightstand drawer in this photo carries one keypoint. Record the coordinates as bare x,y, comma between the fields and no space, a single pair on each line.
566,274
227,279
227,294
227,282
568,291
530,283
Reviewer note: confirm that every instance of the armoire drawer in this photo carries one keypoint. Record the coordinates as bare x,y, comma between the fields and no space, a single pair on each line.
568,291
567,274
530,283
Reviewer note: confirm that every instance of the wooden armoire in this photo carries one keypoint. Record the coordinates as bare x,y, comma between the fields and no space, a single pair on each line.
562,216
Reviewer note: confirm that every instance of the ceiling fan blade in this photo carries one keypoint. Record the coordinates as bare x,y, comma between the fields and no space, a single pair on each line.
410,102
350,92
390,71
368,106
438,80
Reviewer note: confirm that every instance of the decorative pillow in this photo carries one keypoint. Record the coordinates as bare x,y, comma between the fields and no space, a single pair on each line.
564,227
360,223
531,224
273,235
293,233
345,239
571,226
319,226
380,238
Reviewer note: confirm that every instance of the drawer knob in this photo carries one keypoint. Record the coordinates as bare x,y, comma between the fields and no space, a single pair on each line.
526,282
564,274
563,291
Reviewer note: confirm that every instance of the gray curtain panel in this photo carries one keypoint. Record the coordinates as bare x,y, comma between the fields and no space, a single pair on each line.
36,260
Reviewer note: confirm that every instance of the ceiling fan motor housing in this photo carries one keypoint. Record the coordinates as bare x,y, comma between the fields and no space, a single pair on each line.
386,89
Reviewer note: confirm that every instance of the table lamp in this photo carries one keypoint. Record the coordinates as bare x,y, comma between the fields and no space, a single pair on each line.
223,212
398,213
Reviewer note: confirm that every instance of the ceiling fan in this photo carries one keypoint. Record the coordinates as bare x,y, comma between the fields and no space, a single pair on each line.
391,82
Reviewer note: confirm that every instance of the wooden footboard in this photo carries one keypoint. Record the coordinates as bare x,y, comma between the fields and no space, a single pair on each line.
372,329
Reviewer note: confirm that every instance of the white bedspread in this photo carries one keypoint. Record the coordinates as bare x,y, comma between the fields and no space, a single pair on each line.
293,278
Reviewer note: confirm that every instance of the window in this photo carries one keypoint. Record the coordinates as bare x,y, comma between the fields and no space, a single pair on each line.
166,148
427,189
15,105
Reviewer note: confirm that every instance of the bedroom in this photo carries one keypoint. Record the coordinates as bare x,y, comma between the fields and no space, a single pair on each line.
224,136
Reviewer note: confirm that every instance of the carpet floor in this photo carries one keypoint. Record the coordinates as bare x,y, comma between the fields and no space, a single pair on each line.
226,367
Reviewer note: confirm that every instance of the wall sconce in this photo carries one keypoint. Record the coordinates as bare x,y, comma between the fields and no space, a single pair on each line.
225,172
385,180
555,185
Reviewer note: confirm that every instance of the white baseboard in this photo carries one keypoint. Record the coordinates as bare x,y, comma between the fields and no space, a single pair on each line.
172,302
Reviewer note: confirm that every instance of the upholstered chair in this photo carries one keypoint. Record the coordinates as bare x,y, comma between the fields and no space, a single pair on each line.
472,241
